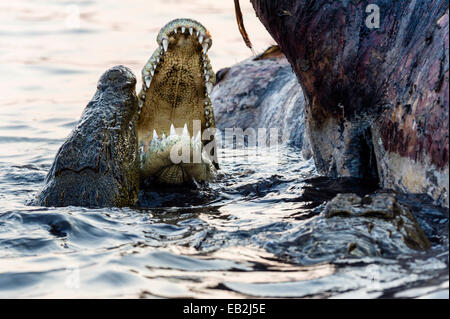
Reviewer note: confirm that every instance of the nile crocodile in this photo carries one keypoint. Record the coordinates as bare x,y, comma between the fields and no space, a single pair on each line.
163,135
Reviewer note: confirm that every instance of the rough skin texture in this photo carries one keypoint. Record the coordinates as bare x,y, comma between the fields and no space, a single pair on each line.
262,92
101,163
98,164
380,206
378,98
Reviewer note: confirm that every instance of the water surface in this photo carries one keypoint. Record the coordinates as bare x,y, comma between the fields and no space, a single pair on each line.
254,233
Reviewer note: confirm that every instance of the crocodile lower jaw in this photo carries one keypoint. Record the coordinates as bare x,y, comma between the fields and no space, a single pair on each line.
175,159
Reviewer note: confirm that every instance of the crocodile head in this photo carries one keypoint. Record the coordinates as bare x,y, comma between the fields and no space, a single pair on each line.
122,140
175,107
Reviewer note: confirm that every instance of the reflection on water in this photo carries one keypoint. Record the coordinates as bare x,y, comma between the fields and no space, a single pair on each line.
254,233
45,54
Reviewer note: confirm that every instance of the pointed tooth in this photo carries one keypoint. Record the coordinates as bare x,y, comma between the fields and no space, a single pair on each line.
185,130
172,130
191,31
165,44
163,136
198,33
152,72
148,80
207,124
175,30
207,112
209,87
155,135
207,77
205,47
200,39
183,29
157,59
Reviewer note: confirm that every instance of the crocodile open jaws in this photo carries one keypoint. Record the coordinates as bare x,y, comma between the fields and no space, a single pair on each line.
176,117
123,141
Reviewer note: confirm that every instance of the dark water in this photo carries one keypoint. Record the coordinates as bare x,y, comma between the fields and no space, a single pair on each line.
260,231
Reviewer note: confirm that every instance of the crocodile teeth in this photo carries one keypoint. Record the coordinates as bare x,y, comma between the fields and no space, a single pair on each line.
163,136
207,76
207,124
175,30
157,59
200,39
191,31
205,47
165,44
152,72
198,33
148,80
183,29
154,143
207,112
209,87
172,130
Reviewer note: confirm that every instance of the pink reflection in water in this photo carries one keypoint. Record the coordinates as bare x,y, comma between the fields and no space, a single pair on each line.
58,50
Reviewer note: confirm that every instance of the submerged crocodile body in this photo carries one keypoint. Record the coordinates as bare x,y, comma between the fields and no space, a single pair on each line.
165,135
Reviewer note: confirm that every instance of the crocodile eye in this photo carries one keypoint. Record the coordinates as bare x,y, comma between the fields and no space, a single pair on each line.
129,84
101,86
117,77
